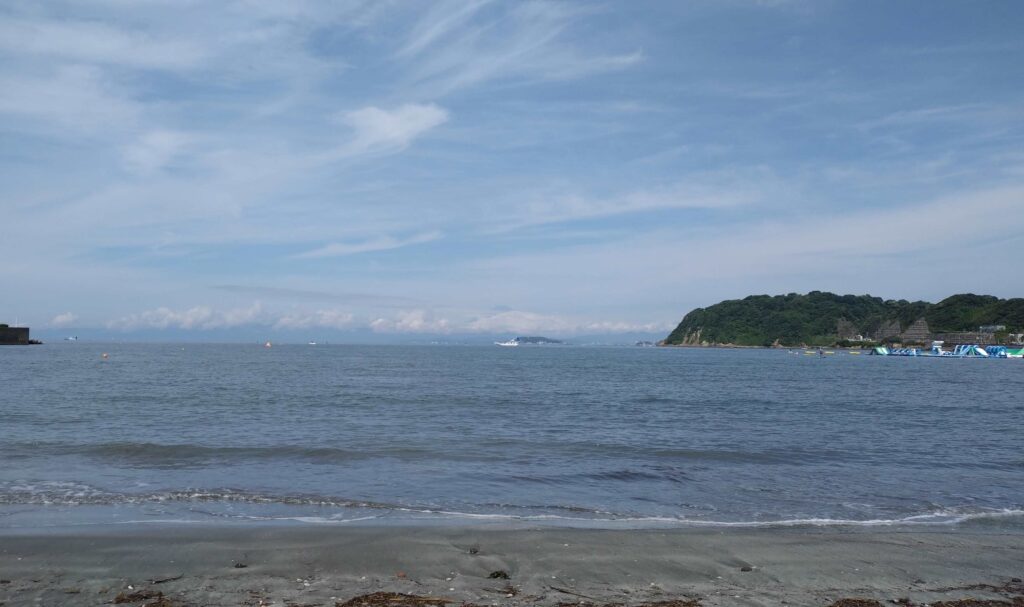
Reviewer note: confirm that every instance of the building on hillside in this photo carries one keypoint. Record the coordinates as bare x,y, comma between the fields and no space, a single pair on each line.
991,328
13,336
966,338
917,332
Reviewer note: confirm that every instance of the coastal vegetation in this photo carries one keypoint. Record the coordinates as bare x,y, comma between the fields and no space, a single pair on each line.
818,317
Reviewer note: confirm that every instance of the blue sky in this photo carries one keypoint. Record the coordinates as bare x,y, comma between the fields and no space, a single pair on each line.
486,167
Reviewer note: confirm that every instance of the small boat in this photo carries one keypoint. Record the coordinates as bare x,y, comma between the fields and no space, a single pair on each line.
268,345
312,343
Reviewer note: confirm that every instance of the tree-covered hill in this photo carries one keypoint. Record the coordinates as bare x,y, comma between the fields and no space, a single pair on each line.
794,319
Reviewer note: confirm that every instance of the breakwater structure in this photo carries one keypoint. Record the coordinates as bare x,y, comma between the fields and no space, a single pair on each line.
15,336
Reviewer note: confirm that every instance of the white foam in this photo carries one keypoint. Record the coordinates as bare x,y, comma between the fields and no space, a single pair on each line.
938,517
26,493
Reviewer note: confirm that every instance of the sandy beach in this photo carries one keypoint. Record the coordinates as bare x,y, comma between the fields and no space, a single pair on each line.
200,565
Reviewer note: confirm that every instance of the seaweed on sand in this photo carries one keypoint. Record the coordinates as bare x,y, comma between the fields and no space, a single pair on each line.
393,599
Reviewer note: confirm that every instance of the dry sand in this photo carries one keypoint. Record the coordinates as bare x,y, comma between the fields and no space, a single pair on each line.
190,565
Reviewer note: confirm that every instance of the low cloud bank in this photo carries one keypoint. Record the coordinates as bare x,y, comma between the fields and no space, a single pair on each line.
415,321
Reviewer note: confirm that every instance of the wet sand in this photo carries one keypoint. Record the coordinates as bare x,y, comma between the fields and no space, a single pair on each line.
200,565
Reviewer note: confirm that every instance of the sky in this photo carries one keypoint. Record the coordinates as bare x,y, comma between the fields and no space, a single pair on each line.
476,167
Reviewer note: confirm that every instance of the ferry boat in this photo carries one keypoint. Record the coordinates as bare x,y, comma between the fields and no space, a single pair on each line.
508,344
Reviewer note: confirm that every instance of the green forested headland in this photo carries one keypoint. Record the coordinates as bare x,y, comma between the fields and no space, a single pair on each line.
812,319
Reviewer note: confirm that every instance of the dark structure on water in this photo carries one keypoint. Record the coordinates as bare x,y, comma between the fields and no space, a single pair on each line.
14,336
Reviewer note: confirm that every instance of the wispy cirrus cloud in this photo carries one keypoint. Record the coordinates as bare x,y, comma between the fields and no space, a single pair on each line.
82,41
456,45
382,243
821,251
584,163
718,190
68,100
293,294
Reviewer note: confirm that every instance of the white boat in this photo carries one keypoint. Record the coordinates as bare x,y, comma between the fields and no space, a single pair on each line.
508,344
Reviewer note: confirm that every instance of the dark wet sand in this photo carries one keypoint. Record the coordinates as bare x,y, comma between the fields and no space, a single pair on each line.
192,565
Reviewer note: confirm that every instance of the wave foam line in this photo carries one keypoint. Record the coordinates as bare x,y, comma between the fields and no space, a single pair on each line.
941,517
74,494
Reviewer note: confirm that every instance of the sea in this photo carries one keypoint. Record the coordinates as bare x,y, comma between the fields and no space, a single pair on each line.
565,436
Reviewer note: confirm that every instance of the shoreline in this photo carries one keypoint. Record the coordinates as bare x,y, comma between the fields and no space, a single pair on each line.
313,565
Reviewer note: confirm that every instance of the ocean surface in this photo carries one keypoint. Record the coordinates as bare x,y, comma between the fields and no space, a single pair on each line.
553,435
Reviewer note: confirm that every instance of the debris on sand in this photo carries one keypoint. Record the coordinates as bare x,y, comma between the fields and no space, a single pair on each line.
674,603
1015,602
509,590
135,597
498,575
393,599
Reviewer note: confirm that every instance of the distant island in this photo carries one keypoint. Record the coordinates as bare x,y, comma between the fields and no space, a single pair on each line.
536,340
826,319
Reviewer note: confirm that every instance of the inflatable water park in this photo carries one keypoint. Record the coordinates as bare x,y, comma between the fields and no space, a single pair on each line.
960,351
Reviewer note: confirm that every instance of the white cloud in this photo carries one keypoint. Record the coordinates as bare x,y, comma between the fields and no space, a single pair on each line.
198,317
412,321
442,21
383,243
74,98
710,190
860,250
155,149
379,129
63,320
327,319
82,41
522,41
190,136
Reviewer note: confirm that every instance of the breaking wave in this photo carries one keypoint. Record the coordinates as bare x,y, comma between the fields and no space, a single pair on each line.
354,510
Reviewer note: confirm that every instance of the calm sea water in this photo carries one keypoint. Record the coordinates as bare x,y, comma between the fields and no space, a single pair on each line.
545,435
